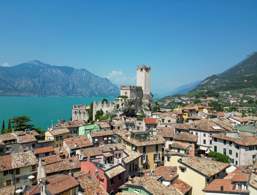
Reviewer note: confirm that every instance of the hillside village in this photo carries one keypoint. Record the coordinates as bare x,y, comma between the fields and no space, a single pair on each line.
133,145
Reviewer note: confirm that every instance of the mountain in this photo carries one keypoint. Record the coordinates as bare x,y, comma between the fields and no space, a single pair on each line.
242,76
36,78
184,89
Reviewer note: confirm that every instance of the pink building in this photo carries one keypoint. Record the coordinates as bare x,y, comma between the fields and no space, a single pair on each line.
110,178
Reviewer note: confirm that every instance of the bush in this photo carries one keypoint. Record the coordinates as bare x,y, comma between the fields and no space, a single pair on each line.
218,157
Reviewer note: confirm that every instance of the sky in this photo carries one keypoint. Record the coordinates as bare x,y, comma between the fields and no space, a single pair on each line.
183,41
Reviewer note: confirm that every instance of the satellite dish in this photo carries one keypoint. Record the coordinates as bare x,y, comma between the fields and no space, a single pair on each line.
31,177
18,191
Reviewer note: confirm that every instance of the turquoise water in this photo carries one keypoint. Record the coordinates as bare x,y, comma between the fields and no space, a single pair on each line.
42,110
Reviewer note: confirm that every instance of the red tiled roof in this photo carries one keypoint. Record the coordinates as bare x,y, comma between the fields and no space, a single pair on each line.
5,162
186,137
77,142
43,150
90,185
17,160
238,176
181,186
166,132
242,139
56,184
222,185
64,165
102,133
51,159
150,121
167,172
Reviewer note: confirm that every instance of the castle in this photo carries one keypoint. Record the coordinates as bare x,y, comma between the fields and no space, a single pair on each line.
140,96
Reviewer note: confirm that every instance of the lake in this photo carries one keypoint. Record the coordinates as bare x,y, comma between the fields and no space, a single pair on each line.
42,110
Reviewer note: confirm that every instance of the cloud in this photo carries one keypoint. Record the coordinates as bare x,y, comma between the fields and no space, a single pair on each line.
5,64
119,78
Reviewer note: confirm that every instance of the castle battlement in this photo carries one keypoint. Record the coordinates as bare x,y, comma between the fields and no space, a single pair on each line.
143,67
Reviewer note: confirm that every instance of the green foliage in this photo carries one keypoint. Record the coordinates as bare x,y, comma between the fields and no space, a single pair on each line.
8,129
99,114
21,123
123,97
196,101
217,106
9,124
90,113
218,156
3,125
156,107
105,101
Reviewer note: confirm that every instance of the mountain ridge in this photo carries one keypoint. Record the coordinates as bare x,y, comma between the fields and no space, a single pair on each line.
36,78
240,76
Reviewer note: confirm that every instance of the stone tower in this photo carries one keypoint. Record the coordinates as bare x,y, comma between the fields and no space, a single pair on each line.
143,79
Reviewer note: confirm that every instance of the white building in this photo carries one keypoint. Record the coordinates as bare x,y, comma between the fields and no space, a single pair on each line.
204,129
131,92
241,148
80,113
143,79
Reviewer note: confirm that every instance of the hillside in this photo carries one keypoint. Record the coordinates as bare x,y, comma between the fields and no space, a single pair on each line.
36,78
242,76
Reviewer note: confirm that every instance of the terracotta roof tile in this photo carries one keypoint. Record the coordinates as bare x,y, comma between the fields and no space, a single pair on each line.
240,138
114,171
186,137
56,184
166,132
222,185
43,150
150,121
59,131
90,185
17,160
166,172
102,133
207,125
181,186
77,142
64,165
152,185
51,159
204,166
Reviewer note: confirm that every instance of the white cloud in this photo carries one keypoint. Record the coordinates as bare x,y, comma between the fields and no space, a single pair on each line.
119,78
5,64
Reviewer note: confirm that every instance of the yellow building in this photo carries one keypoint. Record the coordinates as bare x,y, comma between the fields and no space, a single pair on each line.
198,172
16,168
151,147
57,135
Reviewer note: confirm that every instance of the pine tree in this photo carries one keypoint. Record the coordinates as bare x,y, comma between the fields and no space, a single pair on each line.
9,124
3,126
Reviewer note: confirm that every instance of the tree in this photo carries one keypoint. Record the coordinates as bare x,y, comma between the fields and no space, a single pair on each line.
104,101
21,123
99,114
219,157
3,126
90,112
156,107
217,106
9,124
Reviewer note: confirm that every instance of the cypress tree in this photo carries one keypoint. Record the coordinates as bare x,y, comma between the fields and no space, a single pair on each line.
3,126
9,124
